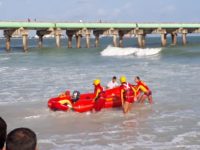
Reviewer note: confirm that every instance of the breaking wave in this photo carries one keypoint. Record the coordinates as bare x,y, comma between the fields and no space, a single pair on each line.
116,51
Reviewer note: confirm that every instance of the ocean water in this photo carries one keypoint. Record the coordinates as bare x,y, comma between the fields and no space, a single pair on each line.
28,80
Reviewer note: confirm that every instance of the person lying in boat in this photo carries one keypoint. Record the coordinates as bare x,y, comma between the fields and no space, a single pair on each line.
144,89
127,94
113,83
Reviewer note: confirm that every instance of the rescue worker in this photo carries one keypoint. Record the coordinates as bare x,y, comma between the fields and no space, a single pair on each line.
99,100
127,94
146,92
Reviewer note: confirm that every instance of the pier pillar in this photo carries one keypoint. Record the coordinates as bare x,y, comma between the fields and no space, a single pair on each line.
141,40
121,34
8,34
8,42
115,40
184,36
163,39
25,41
57,34
97,39
40,41
41,33
78,41
87,40
174,38
70,40
58,40
114,33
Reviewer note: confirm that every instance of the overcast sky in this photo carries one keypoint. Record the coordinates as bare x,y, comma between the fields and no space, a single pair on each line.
106,10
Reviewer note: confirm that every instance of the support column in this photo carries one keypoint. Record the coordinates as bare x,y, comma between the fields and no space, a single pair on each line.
40,41
8,42
25,41
97,40
121,34
58,40
41,33
70,40
78,41
115,40
163,39
87,40
174,38
141,40
184,36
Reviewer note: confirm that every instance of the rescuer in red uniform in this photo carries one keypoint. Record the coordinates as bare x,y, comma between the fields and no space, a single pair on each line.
127,94
99,100
146,92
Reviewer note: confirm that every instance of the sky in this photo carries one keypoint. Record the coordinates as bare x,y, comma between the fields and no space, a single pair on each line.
104,10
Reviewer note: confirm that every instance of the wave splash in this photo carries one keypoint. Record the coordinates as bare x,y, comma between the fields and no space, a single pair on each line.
116,51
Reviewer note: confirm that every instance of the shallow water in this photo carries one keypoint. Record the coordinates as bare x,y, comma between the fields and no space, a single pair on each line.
28,80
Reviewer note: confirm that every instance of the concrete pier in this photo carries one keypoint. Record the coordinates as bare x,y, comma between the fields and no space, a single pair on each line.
163,39
184,36
116,30
121,35
141,40
96,34
25,41
78,41
115,40
87,40
40,41
8,42
174,38
69,40
8,35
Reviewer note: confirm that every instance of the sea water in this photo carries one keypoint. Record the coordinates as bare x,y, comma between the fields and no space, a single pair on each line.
28,80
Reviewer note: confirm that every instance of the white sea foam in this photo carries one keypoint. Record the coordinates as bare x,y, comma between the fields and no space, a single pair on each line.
32,117
4,58
116,51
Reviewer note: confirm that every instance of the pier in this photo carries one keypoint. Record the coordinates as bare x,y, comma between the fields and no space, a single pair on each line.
75,31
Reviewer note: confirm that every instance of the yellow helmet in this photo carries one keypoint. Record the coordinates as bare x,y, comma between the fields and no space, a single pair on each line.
122,79
96,81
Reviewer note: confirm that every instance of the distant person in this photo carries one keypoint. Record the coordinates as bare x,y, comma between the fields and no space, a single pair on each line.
99,101
3,132
127,94
113,83
29,20
146,92
21,139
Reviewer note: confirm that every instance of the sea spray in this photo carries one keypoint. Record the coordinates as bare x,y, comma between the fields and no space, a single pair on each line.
116,51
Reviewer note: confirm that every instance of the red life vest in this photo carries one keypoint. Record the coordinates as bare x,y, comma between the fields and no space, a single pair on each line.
141,85
98,91
127,91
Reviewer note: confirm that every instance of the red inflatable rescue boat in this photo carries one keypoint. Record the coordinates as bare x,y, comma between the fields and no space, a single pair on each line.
84,102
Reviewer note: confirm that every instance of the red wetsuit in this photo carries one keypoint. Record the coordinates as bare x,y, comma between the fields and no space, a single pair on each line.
98,90
127,92
99,98
144,88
